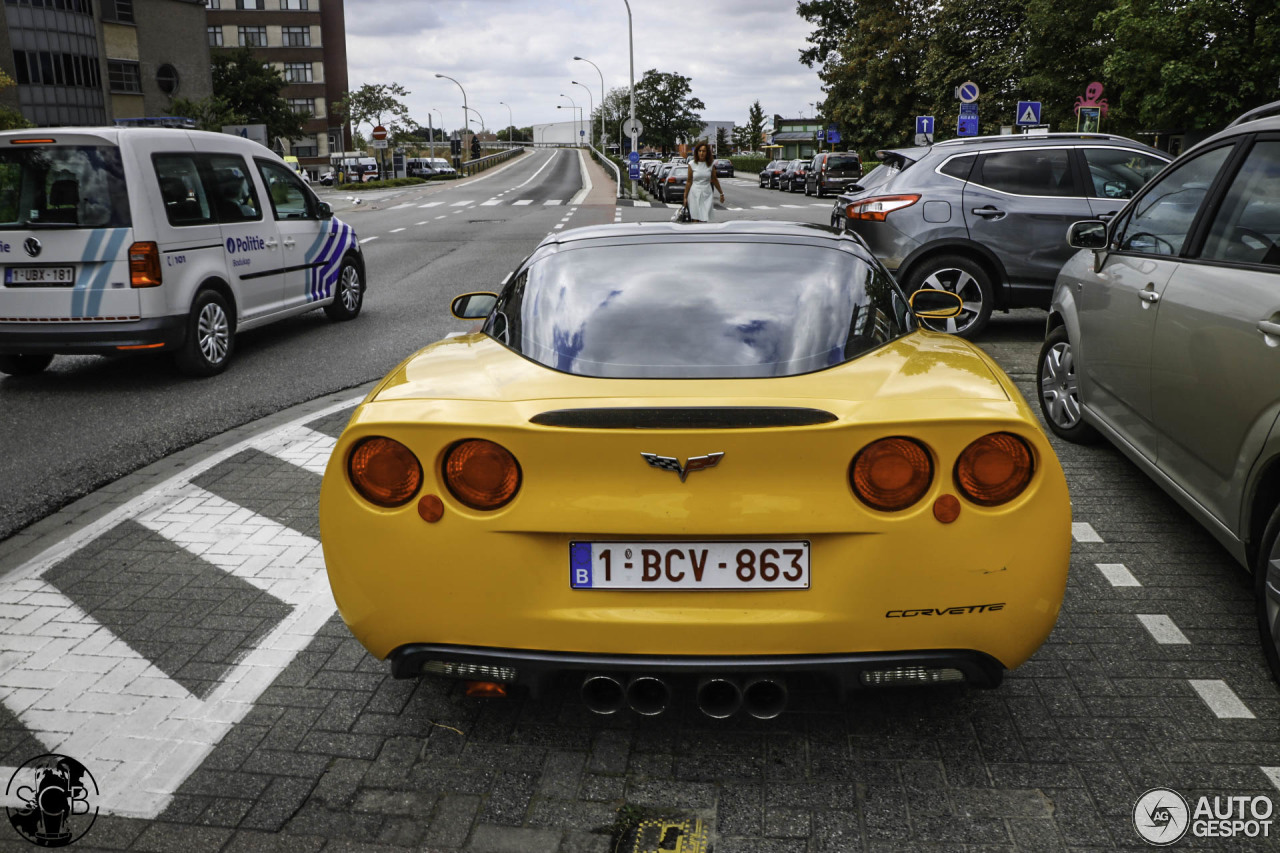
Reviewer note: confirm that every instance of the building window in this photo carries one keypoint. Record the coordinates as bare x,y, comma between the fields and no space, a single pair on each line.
297,36
305,147
124,77
215,36
84,7
297,72
294,5
213,4
116,11
302,106
253,36
167,79
56,69
252,5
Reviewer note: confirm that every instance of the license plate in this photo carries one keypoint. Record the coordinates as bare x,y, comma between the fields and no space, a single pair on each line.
40,276
689,565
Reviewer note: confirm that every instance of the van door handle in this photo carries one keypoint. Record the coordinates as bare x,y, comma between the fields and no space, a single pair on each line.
288,242
1269,328
271,243
989,211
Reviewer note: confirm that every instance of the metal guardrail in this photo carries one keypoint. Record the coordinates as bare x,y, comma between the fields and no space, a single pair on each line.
472,167
617,173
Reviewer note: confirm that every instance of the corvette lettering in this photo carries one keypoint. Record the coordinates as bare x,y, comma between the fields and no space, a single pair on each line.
945,611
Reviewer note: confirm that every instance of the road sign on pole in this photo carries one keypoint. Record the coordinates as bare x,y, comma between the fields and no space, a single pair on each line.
1028,113
968,92
833,135
633,171
633,127
379,132
924,124
968,123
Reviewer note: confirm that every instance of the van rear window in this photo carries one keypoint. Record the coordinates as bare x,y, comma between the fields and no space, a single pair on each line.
63,186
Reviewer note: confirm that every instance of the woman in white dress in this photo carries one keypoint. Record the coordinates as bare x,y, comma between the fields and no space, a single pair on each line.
697,188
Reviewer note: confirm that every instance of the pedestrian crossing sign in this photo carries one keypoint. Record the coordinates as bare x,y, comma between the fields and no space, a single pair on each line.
1028,113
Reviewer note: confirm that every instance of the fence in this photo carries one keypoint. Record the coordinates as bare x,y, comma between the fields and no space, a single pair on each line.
605,161
472,167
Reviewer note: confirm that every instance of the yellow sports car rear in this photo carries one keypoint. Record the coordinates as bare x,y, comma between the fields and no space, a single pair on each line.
509,505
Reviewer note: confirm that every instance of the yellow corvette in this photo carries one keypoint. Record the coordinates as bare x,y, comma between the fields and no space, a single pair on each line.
698,457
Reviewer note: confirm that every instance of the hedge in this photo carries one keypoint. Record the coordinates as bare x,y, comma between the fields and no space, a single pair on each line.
748,164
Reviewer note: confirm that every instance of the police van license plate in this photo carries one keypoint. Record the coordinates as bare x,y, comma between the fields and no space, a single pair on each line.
689,565
40,276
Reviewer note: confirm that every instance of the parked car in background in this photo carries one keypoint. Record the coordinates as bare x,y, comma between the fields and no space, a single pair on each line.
987,217
792,179
671,186
428,167
723,168
770,173
655,182
832,171
1164,337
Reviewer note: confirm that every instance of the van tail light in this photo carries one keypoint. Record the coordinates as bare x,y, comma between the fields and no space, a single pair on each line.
144,265
481,474
891,474
875,209
995,469
384,471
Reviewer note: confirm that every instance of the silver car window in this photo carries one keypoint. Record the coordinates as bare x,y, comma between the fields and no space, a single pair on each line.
1119,172
1246,228
1159,221
1035,172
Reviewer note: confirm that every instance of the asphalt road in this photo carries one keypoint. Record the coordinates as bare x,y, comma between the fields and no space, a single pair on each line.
88,420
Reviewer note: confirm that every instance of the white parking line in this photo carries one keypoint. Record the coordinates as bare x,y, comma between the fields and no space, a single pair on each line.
1221,699
1162,630
1117,575
399,206
1273,773
367,239
1082,531
396,230
522,201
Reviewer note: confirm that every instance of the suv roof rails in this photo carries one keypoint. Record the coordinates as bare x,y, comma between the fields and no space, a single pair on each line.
1263,111
1021,136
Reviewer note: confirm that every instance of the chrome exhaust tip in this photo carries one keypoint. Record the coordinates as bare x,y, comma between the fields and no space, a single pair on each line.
764,697
603,694
719,697
648,695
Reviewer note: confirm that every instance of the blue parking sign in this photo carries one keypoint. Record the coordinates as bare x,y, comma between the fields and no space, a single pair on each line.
633,171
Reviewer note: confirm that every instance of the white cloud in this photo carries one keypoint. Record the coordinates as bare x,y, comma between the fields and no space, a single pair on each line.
521,52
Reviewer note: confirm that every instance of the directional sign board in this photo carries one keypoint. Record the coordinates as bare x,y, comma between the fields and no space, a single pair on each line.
924,124
968,92
833,135
1028,113
968,123
632,127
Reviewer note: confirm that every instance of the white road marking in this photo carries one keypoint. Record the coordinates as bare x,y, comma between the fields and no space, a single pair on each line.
1273,773
552,201
818,204
441,216
522,201
639,203
396,230
1117,575
367,239
423,222
793,206
491,202
399,206
733,208
1082,531
83,691
761,207
539,172
1162,630
1221,699
431,204
462,203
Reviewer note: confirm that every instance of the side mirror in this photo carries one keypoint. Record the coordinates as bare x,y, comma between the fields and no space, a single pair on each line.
930,304
474,306
1087,234
324,209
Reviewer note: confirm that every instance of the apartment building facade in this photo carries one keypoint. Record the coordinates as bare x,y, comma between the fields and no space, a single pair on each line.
306,40
90,62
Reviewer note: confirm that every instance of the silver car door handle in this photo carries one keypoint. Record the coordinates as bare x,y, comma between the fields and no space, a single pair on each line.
1148,296
1269,328
288,242
988,211
272,243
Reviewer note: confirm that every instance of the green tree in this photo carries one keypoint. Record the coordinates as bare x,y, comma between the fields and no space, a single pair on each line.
521,134
615,109
722,141
1190,63
377,104
10,119
247,92
1063,55
979,40
755,127
666,107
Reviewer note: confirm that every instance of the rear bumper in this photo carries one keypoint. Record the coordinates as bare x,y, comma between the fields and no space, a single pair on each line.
80,338
536,669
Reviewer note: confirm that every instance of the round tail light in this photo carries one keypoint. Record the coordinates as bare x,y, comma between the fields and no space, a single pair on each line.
891,474
995,469
481,474
384,471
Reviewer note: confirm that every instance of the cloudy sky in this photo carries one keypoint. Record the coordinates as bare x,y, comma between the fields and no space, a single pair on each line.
521,52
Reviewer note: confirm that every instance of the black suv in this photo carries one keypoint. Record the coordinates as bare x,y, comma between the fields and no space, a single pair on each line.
987,217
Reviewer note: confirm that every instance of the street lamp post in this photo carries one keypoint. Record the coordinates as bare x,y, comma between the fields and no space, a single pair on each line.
591,106
511,123
631,50
578,128
577,120
466,120
603,135
433,133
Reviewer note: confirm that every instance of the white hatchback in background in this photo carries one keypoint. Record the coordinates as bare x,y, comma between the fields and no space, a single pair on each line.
116,240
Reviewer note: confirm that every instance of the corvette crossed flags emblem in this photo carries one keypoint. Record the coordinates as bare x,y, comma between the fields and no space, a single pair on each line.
672,463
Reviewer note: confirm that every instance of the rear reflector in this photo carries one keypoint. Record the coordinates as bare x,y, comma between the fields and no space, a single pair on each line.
486,689
908,675
140,346
470,671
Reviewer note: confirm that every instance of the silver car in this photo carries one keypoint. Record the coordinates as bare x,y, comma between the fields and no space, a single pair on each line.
1165,339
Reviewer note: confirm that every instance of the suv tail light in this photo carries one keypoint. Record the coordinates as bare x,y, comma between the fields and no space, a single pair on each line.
875,209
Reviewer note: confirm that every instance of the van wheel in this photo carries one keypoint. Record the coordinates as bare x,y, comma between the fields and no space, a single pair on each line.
24,364
1266,576
210,336
348,295
963,277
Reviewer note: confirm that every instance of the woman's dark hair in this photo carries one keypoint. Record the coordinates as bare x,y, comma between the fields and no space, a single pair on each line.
698,145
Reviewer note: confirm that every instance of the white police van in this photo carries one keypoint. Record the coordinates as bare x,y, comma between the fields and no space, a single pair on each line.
117,240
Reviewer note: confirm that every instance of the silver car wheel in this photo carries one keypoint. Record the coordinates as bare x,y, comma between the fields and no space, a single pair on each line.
349,288
213,331
1271,594
963,285
1058,388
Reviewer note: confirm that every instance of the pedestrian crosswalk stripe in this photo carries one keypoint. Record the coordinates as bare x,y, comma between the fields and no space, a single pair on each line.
462,203
522,201
761,207
1163,630
792,205
1117,574
399,206
639,203
1221,699
431,204
491,202
1082,531
552,201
